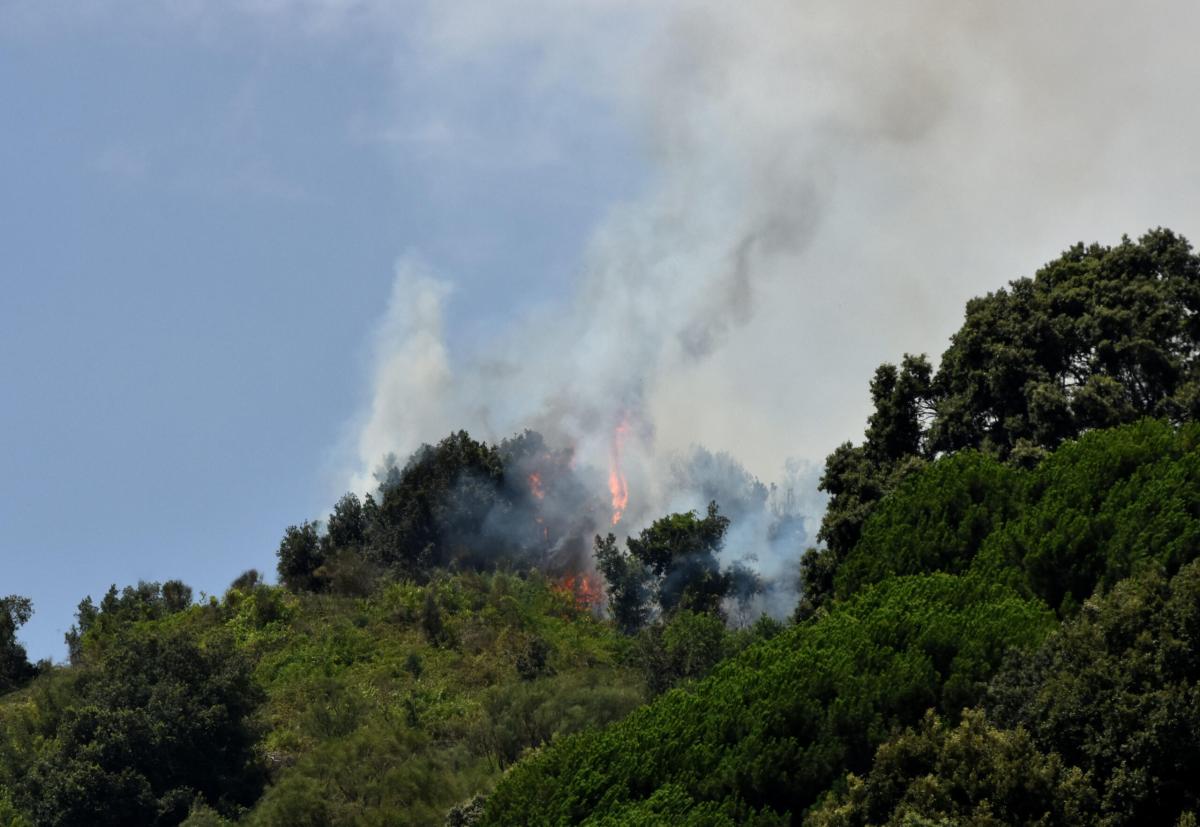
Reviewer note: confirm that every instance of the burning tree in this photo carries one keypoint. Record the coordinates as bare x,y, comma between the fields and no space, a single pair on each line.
673,562
583,589
550,511
461,504
628,584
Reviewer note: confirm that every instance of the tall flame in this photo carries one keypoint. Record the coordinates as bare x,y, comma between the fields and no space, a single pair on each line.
616,477
535,486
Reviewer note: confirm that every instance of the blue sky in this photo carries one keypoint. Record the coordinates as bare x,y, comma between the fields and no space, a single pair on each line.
199,233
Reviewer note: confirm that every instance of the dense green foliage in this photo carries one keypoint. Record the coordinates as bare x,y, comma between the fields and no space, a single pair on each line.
1098,726
935,521
857,477
774,727
349,710
1094,512
155,722
431,511
436,652
1099,337
687,646
300,558
1117,693
133,604
460,504
373,719
1104,507
972,774
15,668
669,567
1100,508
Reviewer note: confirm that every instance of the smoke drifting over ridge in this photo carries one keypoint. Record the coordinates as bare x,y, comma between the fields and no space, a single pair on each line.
831,181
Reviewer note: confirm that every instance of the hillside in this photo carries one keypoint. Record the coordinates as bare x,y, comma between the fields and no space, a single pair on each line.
772,732
397,706
1000,624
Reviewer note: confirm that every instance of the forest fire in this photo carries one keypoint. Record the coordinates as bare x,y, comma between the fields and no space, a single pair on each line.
584,588
616,477
535,486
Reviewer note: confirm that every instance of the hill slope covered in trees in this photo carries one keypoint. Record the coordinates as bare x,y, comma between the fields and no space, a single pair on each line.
1002,625
964,563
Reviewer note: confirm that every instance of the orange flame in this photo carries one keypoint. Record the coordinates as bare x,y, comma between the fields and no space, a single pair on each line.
535,486
587,594
616,477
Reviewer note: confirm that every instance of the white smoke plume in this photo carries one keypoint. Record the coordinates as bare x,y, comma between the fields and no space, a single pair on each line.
412,377
831,181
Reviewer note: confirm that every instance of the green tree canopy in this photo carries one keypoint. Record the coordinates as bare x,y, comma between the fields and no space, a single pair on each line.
15,668
1117,693
681,550
971,774
1093,512
627,584
299,557
432,512
348,525
445,507
772,728
156,722
673,562
1098,337
147,600
935,521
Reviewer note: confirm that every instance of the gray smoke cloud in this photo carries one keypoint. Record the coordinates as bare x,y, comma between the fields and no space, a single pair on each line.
830,182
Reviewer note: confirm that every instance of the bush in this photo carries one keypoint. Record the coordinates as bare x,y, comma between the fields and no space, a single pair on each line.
773,727
156,723
688,646
1097,510
1117,693
970,774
